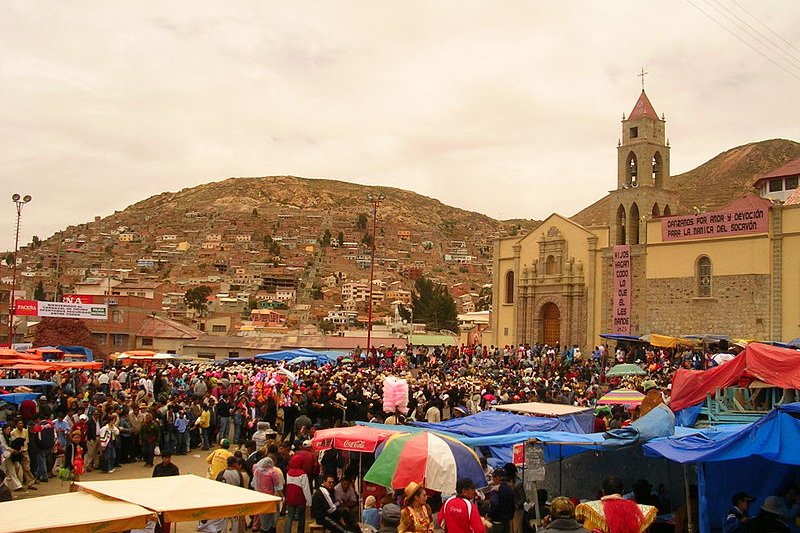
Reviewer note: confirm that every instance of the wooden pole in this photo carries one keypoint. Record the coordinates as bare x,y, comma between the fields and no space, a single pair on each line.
690,528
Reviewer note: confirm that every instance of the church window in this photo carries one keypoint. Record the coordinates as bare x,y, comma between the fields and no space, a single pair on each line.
791,183
667,211
775,185
509,287
656,213
551,267
633,224
634,132
658,170
621,225
631,171
703,276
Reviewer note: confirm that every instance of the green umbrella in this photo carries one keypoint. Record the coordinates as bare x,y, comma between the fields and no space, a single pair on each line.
626,370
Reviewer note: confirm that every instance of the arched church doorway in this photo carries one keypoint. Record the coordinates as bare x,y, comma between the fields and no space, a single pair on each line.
551,324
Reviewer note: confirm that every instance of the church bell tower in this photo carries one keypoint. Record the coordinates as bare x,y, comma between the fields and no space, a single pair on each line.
643,154
642,192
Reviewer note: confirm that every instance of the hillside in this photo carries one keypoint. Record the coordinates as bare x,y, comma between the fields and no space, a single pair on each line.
232,233
713,184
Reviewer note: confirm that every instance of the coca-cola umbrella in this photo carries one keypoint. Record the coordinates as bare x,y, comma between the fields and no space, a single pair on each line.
362,439
434,461
350,439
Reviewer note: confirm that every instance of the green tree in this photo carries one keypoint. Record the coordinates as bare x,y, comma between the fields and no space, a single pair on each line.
9,259
197,298
485,298
367,239
36,242
316,292
326,238
361,223
434,305
326,326
38,292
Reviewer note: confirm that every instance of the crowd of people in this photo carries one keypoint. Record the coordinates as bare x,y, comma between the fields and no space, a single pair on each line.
256,420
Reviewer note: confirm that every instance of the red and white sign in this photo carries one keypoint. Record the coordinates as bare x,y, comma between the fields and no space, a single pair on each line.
518,454
82,299
743,220
61,309
621,272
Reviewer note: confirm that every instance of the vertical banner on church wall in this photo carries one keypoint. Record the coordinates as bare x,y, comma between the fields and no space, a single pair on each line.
621,273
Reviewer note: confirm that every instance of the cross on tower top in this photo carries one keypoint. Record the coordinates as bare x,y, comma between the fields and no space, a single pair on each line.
642,75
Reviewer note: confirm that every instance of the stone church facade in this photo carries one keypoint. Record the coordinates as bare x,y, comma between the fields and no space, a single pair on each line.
652,268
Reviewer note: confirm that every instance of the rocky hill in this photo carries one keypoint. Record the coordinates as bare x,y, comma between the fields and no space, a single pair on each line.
236,231
715,183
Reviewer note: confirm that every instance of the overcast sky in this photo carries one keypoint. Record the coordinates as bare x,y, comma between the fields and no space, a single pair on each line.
507,108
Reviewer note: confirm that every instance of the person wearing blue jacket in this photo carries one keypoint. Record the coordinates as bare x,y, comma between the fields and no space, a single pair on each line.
736,520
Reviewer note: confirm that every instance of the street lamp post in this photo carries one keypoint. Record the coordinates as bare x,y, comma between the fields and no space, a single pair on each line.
19,201
374,199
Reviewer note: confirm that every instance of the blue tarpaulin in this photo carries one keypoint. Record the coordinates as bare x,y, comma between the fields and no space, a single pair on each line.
758,458
486,423
24,382
17,397
320,356
78,350
619,337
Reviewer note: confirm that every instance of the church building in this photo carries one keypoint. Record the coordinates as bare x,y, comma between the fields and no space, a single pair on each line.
652,265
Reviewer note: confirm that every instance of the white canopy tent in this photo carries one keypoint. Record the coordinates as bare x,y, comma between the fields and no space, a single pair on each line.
185,498
75,512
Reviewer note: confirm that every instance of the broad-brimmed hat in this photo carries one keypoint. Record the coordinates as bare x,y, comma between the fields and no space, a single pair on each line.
411,489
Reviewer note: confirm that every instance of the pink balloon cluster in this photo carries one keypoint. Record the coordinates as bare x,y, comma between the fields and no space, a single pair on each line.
395,395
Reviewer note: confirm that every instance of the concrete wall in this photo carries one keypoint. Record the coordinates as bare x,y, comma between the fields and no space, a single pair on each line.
790,272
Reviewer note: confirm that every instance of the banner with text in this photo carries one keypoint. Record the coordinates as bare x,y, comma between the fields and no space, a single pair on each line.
61,310
621,273
743,221
82,299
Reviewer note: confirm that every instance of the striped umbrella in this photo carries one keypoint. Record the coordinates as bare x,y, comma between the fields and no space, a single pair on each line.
622,397
434,461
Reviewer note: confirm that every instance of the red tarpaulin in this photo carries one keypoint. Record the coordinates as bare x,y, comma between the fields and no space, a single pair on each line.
779,367
353,438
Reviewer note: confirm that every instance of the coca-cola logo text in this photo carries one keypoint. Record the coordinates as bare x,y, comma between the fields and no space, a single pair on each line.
355,444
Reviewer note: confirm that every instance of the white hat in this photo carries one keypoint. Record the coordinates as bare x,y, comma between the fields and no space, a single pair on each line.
772,505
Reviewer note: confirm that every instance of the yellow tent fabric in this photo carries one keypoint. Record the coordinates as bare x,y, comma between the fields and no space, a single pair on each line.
75,512
186,498
664,341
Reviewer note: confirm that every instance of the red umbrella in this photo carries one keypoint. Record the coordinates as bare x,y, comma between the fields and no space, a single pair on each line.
352,439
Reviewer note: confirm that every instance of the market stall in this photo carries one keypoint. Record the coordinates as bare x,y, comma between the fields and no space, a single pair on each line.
185,498
74,512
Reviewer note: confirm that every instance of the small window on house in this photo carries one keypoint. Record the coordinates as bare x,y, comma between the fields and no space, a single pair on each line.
791,183
146,341
703,277
634,132
233,354
775,185
218,328
116,316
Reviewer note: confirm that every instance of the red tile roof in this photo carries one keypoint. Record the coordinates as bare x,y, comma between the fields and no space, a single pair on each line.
789,169
643,108
794,199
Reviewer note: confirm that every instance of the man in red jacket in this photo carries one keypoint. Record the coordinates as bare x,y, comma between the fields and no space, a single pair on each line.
459,514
